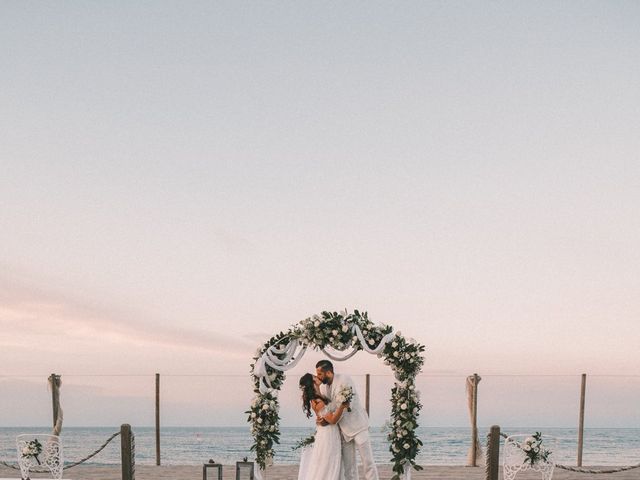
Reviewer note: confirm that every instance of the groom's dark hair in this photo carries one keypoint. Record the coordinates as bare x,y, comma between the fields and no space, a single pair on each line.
325,365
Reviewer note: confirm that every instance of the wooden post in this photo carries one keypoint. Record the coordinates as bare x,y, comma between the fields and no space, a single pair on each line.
55,396
474,421
493,454
583,387
157,419
126,453
367,394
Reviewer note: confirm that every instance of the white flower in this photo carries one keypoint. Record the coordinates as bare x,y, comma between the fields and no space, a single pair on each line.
265,406
403,406
272,428
371,341
396,449
536,449
398,422
396,354
526,447
316,323
365,332
394,344
253,414
529,440
345,329
259,420
406,446
334,332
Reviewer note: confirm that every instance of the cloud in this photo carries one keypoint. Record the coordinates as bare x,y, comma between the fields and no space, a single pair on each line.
30,315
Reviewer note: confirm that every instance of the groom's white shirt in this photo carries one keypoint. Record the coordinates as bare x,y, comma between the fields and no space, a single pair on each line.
351,423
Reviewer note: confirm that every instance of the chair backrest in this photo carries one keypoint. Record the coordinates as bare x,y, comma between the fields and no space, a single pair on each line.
40,450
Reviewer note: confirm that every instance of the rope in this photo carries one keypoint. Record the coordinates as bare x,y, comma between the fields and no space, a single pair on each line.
69,465
487,460
588,470
102,447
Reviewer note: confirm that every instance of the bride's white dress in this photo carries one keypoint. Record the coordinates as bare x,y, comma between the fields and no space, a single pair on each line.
322,460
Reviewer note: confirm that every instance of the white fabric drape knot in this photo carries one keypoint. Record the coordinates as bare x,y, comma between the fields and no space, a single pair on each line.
292,352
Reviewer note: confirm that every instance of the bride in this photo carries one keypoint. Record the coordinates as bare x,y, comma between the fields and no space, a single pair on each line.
323,460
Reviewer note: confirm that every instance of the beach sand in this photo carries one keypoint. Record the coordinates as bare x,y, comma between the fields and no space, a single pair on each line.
289,472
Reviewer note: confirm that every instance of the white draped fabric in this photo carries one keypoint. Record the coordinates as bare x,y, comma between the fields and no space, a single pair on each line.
337,357
470,383
293,351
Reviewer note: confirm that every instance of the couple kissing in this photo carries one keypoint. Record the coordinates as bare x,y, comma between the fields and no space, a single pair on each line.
342,427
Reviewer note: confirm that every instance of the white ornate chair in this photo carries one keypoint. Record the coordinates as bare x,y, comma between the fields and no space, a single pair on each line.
515,458
50,457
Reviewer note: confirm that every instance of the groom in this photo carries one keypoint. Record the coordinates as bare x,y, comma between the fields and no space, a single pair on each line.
354,425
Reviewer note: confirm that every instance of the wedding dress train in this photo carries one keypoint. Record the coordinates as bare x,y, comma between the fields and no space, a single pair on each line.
321,460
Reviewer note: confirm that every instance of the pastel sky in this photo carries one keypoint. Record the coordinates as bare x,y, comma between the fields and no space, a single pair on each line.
180,181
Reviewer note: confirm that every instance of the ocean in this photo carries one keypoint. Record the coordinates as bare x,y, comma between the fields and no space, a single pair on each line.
442,446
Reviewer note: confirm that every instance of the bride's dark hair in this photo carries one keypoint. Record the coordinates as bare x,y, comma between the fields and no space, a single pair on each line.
309,393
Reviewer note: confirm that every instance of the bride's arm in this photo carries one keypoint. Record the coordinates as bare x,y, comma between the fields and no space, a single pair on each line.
330,417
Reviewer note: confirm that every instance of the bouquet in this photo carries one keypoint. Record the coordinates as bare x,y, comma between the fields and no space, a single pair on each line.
305,442
32,449
345,395
534,450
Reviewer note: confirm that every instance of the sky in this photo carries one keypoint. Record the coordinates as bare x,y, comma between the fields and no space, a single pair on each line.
181,181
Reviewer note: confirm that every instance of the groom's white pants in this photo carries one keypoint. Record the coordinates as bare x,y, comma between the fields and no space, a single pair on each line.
349,462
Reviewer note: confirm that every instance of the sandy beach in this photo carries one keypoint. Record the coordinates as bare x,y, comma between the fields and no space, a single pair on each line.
289,472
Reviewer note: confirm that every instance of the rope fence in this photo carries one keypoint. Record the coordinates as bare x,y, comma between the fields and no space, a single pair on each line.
493,453
127,454
69,465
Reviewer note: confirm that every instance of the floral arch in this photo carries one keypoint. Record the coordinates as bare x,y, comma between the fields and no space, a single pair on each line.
339,336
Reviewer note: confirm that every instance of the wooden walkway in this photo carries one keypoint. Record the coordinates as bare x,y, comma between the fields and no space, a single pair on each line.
289,472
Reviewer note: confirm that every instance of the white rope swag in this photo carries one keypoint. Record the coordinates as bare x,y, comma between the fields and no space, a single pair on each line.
293,351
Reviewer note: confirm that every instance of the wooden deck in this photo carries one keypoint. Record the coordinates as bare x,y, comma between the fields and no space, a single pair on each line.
290,472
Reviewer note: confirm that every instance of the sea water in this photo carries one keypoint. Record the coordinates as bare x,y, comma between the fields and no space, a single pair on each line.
193,446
